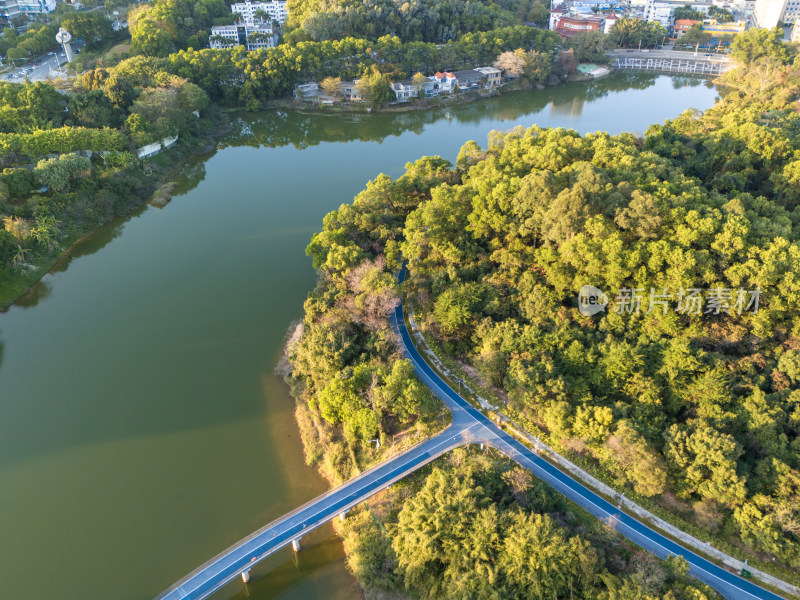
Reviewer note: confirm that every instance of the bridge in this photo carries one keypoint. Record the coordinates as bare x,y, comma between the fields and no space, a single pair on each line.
469,426
670,61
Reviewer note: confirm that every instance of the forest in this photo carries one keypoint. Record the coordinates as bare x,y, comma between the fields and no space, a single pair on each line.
695,410
479,527
436,21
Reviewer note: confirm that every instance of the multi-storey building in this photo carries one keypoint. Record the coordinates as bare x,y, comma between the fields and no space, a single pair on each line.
492,75
33,7
682,26
663,11
714,29
252,37
571,25
773,13
8,9
275,9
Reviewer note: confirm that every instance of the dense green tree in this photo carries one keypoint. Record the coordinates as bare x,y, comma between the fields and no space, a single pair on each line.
92,109
8,249
375,87
538,66
29,107
722,15
687,12
631,32
694,36
589,47
58,173
757,43
91,27
434,21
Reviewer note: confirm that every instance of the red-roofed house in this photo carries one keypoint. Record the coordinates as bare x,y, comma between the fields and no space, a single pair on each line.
682,26
572,26
442,83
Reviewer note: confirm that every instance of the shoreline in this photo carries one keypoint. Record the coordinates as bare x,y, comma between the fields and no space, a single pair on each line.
176,159
23,285
469,97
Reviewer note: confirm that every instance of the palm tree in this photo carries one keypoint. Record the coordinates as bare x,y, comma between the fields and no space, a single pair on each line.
44,233
19,257
218,38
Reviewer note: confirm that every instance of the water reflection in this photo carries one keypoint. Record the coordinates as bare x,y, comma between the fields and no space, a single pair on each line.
573,108
288,578
303,129
40,291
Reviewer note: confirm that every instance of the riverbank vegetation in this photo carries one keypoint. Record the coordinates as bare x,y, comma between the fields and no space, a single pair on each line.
685,388
110,112
355,390
69,162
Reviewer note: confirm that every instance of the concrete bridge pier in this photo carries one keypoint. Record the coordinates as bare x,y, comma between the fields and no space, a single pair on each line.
296,544
342,515
246,576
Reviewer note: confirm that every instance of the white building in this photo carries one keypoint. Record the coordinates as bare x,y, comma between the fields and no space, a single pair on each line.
610,21
276,9
405,90
792,11
747,7
796,32
8,9
33,7
773,13
493,76
663,11
555,17
252,36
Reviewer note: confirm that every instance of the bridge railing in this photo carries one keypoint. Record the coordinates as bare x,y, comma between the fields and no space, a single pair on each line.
313,501
694,66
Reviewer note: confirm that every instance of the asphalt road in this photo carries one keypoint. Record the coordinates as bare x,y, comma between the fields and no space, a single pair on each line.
729,585
38,69
468,426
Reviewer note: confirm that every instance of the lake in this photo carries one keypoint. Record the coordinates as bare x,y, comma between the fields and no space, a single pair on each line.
142,426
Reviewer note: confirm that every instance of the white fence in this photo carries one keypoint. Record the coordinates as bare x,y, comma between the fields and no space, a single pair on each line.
672,65
156,147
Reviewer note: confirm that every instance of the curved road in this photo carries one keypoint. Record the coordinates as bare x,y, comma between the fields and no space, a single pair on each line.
469,426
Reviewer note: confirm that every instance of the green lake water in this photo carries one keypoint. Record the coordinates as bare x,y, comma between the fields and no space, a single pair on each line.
142,427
